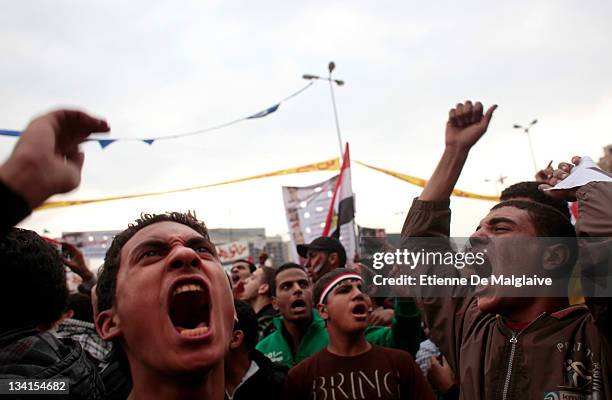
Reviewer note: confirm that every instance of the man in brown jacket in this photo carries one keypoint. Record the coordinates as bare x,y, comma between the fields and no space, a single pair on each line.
507,347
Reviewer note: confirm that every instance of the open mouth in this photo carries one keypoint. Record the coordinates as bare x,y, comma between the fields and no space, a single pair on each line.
360,310
298,305
189,309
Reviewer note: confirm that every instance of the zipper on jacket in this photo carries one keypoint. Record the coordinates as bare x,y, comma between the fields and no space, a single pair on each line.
513,343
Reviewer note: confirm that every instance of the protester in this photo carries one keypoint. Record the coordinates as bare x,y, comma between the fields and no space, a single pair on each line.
349,367
248,373
79,326
45,161
322,255
300,331
508,347
530,191
257,293
33,296
241,269
73,258
164,299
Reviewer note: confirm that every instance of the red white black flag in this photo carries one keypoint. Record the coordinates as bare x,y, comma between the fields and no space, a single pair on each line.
340,221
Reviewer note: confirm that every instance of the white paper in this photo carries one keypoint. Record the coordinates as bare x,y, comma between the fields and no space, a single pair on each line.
585,172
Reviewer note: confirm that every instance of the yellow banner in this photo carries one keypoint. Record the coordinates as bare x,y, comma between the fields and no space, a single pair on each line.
328,165
421,182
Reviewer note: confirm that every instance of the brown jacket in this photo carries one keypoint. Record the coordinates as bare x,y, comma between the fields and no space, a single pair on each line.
564,355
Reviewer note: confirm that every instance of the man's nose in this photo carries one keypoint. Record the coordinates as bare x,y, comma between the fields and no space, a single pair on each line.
479,238
184,257
358,295
297,289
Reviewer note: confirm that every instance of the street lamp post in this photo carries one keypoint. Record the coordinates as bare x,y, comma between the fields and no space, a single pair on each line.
331,81
526,130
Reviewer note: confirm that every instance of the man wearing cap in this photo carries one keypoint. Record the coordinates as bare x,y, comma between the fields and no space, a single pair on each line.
350,367
300,331
322,255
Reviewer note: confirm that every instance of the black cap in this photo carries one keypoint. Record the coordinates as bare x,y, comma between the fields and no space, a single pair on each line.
328,244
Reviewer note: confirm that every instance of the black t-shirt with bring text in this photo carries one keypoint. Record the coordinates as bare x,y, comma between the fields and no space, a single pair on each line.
380,373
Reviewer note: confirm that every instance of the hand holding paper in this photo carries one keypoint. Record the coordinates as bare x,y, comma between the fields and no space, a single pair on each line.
568,178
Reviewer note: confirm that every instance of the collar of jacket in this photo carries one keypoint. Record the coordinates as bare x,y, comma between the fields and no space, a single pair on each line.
11,336
316,320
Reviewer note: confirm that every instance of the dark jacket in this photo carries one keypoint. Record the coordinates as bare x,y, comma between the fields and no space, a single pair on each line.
28,353
14,208
267,382
559,355
265,326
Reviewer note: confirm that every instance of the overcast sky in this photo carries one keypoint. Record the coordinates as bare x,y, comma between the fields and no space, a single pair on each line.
159,68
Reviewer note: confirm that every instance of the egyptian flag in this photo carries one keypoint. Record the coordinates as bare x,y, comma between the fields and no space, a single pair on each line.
340,219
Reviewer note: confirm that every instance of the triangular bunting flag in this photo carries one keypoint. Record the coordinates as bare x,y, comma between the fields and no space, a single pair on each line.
265,112
105,142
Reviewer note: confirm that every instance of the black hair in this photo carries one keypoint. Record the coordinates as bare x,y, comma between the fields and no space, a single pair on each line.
252,266
107,276
247,323
33,287
284,267
325,280
81,306
266,275
548,222
529,190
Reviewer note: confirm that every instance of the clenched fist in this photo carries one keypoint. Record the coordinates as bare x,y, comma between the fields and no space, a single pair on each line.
46,159
466,124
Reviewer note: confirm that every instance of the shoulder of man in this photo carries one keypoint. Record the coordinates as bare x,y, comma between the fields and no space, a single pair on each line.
274,346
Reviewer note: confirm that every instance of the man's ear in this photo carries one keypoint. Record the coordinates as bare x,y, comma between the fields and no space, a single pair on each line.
237,339
322,310
107,324
275,303
263,289
555,256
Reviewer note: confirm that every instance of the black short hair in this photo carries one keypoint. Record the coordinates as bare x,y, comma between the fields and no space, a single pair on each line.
33,287
529,190
107,276
247,323
266,275
80,304
548,222
284,267
252,266
325,280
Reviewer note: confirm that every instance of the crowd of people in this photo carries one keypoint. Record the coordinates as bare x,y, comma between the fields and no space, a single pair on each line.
163,319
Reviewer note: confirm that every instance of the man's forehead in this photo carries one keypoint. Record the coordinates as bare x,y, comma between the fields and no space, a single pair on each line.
509,212
291,274
240,264
349,282
164,230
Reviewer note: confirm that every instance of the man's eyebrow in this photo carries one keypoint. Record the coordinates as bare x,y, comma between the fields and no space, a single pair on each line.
198,241
150,244
498,220
346,283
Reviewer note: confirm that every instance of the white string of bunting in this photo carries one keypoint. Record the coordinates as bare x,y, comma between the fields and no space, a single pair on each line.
104,142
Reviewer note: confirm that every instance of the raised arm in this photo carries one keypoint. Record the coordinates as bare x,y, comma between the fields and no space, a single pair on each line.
465,126
429,217
46,161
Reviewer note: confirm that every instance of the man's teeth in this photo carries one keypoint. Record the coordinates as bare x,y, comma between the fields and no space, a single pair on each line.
188,287
200,330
